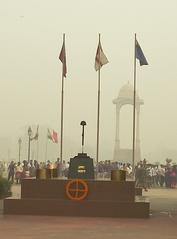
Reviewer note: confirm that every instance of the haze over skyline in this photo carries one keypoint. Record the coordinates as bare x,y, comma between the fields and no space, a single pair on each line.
31,39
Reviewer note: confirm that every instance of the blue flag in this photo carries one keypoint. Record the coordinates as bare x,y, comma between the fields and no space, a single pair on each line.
140,55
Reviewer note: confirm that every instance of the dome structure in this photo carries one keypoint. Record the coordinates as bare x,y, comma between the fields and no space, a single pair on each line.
127,92
126,95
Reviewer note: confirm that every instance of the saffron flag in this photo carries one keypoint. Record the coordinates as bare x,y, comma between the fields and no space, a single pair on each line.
52,136
100,58
140,55
36,135
62,58
55,137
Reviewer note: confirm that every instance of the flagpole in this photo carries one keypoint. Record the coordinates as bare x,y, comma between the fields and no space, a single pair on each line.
46,150
134,108
62,99
98,108
37,156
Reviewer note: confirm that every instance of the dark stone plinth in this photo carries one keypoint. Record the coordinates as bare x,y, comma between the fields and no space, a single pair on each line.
81,166
53,207
104,199
98,190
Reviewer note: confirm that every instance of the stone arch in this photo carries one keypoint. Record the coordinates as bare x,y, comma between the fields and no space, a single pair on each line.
125,96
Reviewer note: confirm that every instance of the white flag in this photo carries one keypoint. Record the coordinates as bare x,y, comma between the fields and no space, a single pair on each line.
100,58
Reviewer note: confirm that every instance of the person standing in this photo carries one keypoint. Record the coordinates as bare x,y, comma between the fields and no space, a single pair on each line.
11,171
161,175
18,172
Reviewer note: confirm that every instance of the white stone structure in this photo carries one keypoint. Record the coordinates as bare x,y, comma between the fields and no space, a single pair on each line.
125,96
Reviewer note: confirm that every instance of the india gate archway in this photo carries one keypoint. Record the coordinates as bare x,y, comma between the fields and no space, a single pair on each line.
125,97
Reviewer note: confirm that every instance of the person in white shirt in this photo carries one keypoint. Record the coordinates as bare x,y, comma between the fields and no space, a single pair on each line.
18,172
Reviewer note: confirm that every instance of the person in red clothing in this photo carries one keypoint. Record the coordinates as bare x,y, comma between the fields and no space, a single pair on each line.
173,177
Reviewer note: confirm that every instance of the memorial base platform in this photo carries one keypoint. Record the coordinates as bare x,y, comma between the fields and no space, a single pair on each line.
104,199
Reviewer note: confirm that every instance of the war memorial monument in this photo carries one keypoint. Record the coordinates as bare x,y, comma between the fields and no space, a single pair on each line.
81,194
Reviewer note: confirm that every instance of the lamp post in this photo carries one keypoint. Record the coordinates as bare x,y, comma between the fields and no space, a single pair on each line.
19,148
83,123
29,141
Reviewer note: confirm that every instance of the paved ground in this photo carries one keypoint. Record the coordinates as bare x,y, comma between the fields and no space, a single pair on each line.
162,223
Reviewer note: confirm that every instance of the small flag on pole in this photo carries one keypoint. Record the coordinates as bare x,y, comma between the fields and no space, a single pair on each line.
36,135
52,136
55,137
62,58
140,55
100,58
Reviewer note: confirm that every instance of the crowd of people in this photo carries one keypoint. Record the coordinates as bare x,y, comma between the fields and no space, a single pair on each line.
151,175
146,175
16,171
104,168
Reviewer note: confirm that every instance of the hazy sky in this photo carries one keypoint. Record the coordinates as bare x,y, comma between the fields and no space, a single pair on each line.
30,73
